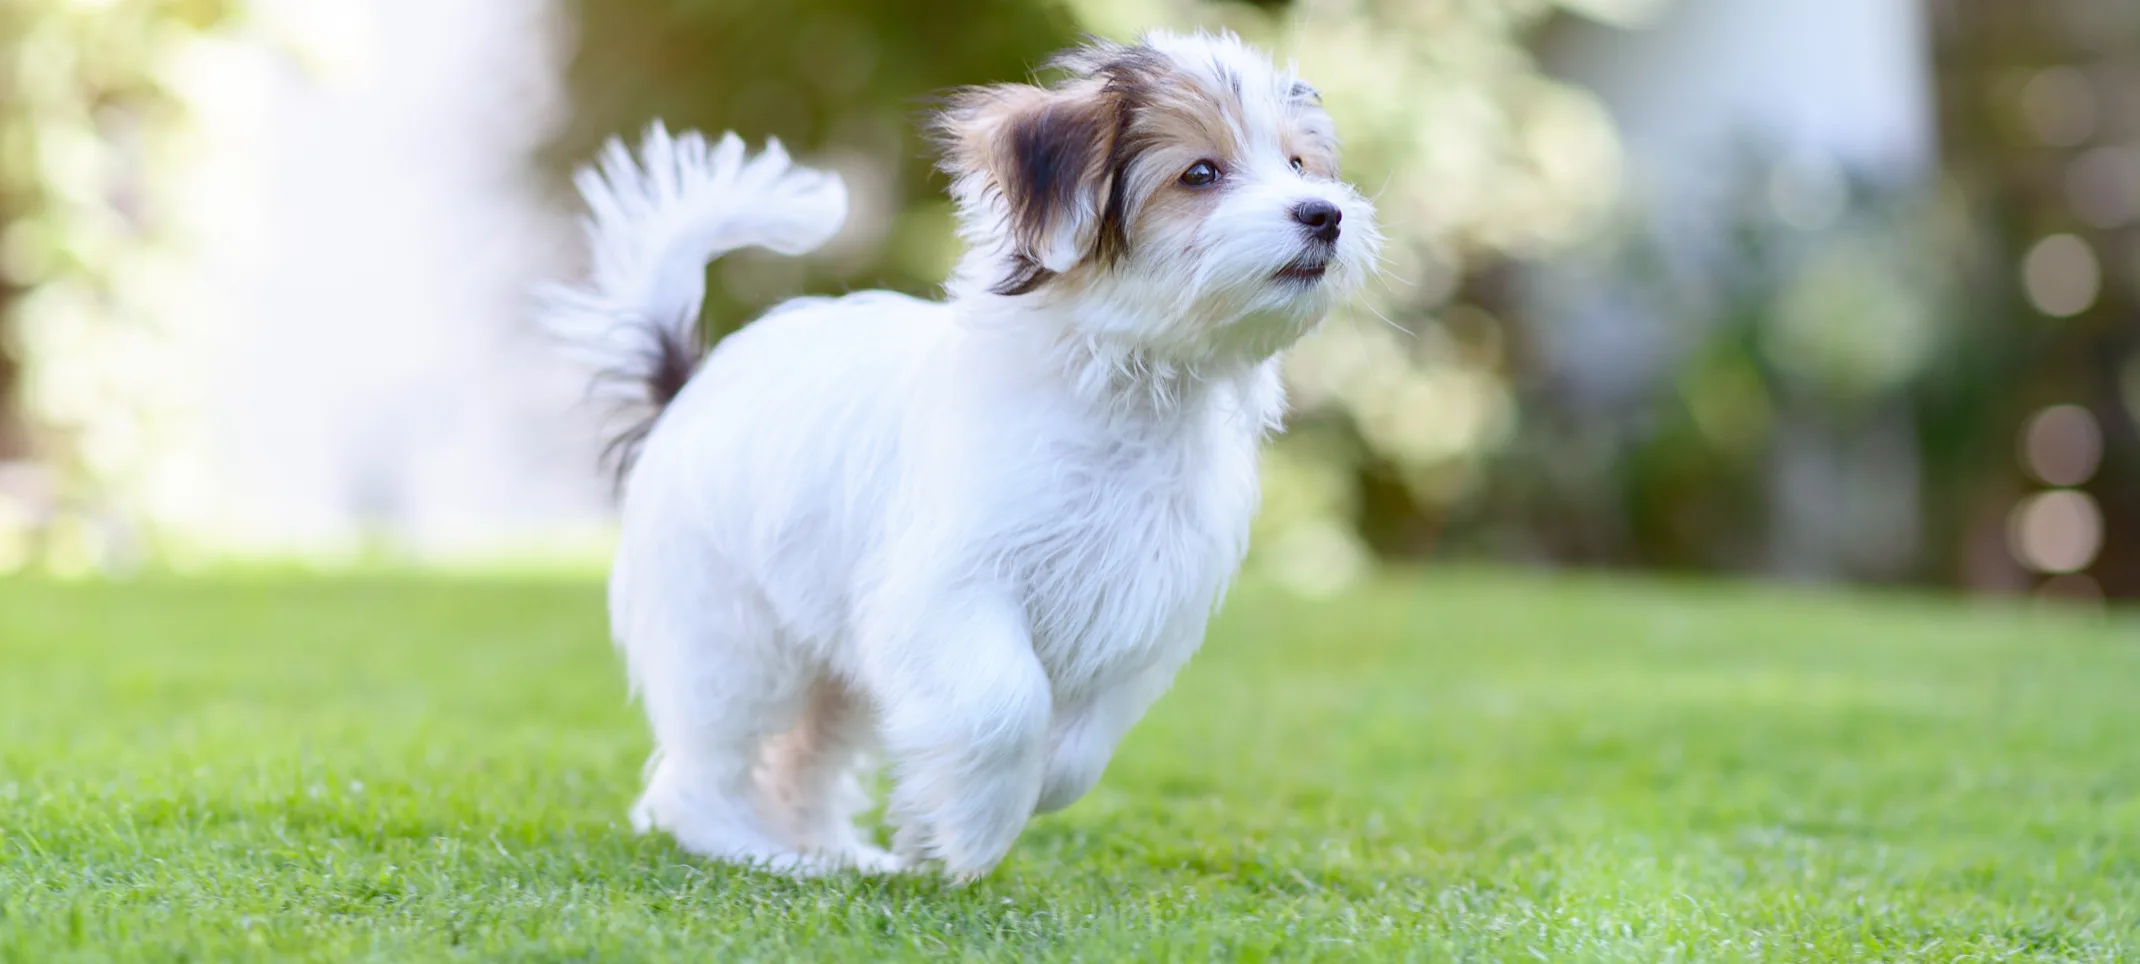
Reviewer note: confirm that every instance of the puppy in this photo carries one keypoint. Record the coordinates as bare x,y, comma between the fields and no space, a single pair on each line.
975,537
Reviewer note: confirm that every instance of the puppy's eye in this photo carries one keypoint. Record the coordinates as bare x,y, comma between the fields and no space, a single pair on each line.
1299,167
1201,174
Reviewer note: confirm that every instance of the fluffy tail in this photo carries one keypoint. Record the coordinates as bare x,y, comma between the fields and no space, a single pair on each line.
653,223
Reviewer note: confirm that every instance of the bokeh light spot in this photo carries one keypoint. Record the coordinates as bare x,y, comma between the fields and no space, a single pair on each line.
2062,445
2061,276
2056,532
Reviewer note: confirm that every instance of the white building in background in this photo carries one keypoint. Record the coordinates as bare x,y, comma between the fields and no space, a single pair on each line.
368,232
1824,86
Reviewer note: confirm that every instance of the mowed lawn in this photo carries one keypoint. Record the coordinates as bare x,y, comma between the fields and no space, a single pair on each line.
1443,766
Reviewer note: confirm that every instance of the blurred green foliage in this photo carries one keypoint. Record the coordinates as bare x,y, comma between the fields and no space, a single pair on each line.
1836,396
1831,344
86,109
73,76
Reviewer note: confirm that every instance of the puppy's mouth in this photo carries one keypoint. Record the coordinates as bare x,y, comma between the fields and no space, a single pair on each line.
1307,269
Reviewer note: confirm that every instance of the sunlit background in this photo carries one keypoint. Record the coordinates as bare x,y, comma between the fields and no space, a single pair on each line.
1818,290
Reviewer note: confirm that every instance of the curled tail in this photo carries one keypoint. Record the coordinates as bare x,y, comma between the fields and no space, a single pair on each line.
653,223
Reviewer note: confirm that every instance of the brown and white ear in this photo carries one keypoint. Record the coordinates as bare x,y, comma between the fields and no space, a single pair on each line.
1043,156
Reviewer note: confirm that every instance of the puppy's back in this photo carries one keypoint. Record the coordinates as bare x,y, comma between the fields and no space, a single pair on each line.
781,452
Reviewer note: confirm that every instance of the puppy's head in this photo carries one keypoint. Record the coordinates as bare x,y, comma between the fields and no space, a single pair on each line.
1180,193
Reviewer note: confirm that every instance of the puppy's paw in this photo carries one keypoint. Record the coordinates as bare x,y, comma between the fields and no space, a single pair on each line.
919,852
875,860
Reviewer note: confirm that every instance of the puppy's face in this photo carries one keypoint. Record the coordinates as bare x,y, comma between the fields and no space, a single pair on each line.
1181,194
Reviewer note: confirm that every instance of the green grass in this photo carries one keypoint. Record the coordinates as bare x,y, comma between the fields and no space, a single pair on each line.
1447,766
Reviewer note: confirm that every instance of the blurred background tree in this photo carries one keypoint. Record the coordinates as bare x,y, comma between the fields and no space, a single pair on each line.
1848,363
1867,380
1805,366
2040,115
85,116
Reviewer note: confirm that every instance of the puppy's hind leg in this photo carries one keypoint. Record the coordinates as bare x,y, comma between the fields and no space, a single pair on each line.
810,778
706,663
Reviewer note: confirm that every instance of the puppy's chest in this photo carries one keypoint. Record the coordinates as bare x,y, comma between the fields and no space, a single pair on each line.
1124,554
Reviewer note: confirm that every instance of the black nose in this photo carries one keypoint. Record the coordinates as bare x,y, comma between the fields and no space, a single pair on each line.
1320,217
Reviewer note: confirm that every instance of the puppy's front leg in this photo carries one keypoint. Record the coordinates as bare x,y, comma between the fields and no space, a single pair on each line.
1083,736
965,708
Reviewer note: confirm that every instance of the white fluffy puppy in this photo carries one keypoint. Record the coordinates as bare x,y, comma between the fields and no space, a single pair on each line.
978,536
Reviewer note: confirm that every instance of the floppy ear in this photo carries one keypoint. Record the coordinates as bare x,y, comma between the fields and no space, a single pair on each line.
1037,161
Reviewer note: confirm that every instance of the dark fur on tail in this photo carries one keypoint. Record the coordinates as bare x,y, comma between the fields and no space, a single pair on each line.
654,219
656,373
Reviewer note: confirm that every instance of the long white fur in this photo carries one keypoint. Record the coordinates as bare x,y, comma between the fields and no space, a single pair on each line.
978,536
653,222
